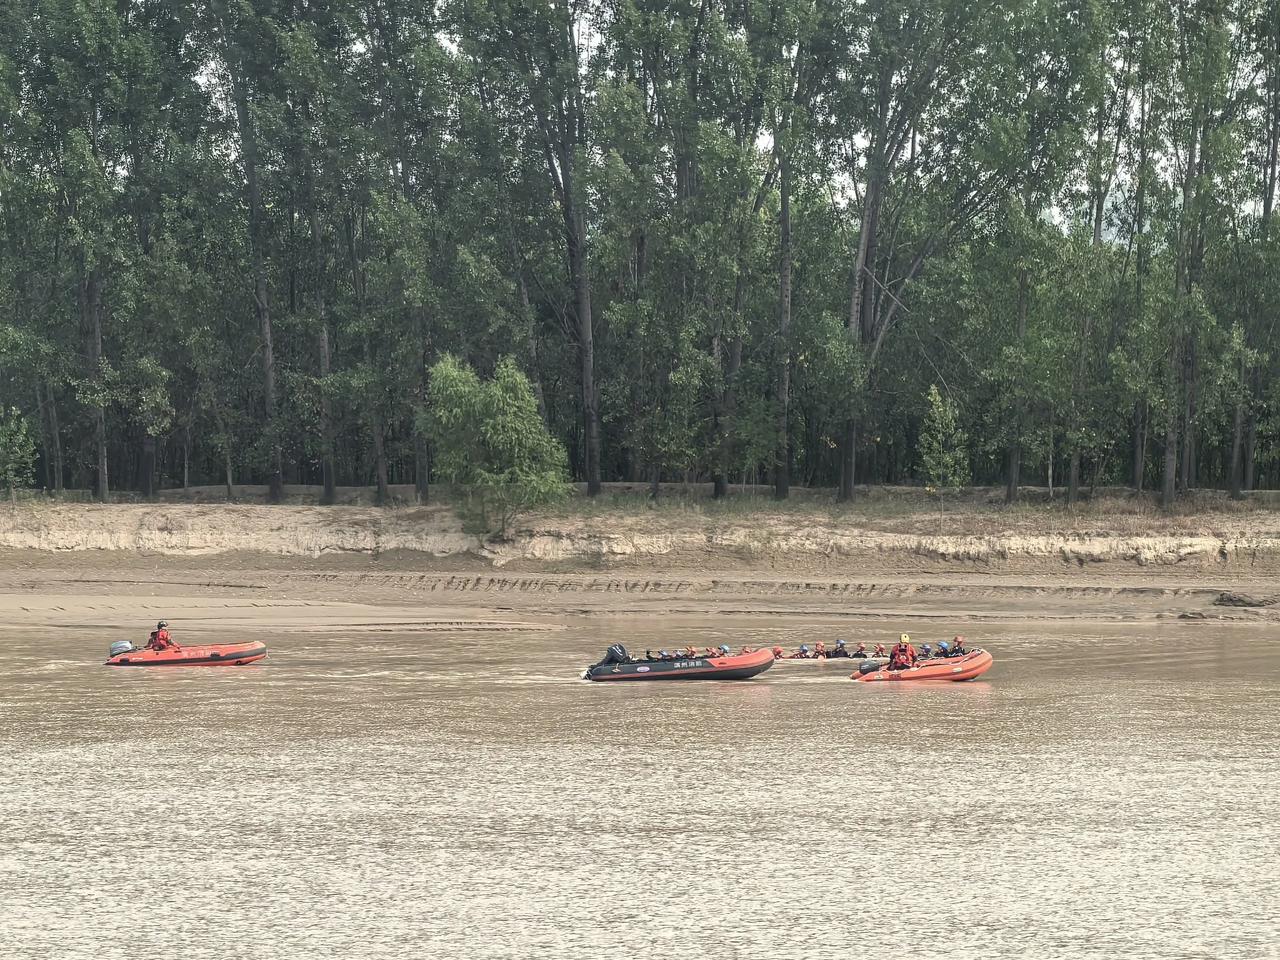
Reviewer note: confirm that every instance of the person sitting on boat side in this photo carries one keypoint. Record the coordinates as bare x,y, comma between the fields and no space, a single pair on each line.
801,654
926,652
840,650
903,655
690,653
860,653
957,647
879,651
160,639
778,653
746,648
721,651
820,651
944,649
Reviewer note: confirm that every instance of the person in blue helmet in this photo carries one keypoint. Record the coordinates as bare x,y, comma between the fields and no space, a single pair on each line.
724,651
801,654
944,648
840,650
926,651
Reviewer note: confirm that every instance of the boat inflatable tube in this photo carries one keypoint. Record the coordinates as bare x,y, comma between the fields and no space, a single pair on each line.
204,655
973,664
616,665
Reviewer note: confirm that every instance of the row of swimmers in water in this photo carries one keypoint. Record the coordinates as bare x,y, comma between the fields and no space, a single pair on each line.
902,654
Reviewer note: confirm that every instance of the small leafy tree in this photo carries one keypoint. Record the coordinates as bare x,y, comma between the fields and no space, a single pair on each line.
17,451
490,440
943,449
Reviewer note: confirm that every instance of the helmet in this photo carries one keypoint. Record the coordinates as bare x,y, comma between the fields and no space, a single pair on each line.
662,653
724,647
162,624
804,648
862,646
943,645
904,639
839,643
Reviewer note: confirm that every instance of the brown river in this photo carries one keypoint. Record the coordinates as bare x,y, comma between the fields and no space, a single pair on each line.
1106,791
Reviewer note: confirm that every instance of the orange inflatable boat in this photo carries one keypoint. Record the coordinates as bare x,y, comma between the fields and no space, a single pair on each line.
204,655
971,665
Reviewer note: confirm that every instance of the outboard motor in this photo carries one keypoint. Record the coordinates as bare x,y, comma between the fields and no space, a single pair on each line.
616,653
869,666
121,646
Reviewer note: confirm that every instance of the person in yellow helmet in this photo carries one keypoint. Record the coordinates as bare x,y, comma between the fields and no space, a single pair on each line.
903,655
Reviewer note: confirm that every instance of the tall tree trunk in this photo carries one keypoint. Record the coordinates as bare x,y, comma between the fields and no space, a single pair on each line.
1013,456
147,466
580,268
1187,475
1139,446
421,468
220,424
728,400
531,343
380,458
319,281
1167,488
261,297
327,464
1237,452
1250,450
848,460
377,427
1271,163
782,458
862,313
48,401
1176,368
91,320
1073,478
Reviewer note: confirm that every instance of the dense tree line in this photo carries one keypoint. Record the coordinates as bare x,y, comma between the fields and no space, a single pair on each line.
733,239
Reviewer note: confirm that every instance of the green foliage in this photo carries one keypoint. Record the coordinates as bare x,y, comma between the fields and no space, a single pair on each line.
490,439
17,451
995,197
943,445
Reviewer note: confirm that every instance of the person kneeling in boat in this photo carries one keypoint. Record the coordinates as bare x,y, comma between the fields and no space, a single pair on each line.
903,656
160,639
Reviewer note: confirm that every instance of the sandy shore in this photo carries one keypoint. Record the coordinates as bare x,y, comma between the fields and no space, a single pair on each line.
306,567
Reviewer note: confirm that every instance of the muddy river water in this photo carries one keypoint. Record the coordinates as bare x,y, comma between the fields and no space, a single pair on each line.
1107,791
